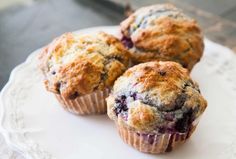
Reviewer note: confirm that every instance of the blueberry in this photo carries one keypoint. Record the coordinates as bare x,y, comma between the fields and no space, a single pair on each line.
133,95
123,97
121,105
183,124
162,73
127,42
53,72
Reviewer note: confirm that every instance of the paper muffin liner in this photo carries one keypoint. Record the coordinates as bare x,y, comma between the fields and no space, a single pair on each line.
153,143
93,103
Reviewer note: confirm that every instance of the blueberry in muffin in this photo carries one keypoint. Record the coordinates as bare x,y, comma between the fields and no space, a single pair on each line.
81,69
162,32
156,106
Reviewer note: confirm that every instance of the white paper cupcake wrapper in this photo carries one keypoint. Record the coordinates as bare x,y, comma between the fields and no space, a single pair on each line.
93,103
153,143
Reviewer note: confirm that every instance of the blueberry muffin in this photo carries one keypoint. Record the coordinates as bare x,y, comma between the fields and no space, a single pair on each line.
162,32
156,106
81,69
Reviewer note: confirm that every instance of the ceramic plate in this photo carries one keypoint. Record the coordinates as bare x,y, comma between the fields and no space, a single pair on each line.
35,125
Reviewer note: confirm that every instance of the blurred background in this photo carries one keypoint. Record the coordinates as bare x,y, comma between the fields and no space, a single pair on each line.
26,25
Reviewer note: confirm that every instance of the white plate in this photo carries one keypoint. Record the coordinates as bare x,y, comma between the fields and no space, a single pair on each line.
35,124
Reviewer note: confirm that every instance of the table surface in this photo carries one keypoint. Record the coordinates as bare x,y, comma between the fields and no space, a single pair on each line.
26,28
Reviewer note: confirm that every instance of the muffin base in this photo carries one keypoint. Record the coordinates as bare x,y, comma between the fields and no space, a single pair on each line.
153,143
93,103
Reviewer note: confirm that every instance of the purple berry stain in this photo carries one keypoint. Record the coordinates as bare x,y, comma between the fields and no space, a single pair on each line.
150,138
169,116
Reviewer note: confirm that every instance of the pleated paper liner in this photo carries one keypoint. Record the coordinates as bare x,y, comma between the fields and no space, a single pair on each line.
153,143
93,103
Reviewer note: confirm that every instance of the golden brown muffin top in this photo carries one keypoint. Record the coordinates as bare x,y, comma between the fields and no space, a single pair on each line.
163,32
76,64
156,96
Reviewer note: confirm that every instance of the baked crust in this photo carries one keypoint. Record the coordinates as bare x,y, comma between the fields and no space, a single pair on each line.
80,64
163,32
156,96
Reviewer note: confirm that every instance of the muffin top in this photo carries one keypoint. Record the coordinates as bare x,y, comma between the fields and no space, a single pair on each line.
76,65
156,97
163,32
